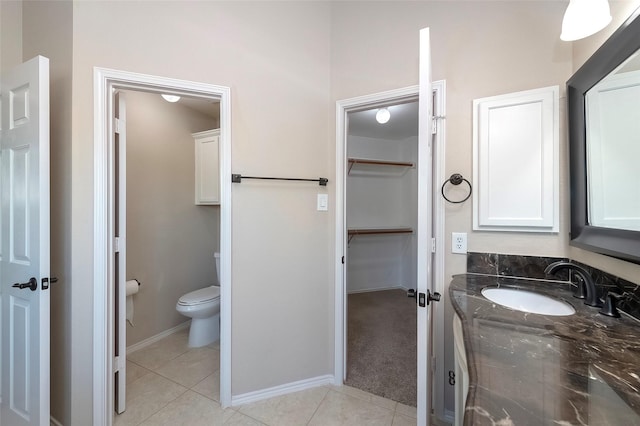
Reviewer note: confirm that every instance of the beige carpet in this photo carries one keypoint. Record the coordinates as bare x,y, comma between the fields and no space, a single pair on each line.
381,352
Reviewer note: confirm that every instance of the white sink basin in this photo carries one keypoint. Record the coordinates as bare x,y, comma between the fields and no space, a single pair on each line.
527,301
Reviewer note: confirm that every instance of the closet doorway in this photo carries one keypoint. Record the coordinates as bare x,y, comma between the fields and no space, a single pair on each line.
378,248
381,203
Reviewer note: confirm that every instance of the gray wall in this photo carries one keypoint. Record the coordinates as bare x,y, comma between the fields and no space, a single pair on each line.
583,49
11,40
170,240
287,64
38,39
481,49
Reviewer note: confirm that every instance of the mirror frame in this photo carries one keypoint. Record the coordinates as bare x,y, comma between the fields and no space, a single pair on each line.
618,243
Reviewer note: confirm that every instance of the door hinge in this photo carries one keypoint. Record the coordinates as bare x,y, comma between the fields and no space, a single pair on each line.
433,364
343,260
433,245
116,245
436,118
117,125
119,363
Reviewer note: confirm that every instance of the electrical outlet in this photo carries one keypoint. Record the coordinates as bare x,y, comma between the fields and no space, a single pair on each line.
459,242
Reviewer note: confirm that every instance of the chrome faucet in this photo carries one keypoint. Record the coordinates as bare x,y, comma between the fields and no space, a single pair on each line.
584,279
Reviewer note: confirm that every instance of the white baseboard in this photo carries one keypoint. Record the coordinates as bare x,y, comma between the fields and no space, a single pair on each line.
301,385
146,342
369,290
54,422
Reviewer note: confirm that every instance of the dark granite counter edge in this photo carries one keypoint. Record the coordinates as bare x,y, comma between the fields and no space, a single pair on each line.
472,293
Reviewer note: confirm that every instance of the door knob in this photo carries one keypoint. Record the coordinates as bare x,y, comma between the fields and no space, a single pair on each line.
32,284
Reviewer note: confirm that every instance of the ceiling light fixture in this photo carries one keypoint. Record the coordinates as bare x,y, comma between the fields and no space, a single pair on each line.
170,98
383,115
584,18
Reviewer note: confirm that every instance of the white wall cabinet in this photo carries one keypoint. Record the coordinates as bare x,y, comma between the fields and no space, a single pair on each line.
207,153
516,161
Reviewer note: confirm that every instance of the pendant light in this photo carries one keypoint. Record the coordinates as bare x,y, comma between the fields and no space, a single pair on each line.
584,18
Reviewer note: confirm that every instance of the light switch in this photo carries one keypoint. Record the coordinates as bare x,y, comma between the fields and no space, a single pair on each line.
323,202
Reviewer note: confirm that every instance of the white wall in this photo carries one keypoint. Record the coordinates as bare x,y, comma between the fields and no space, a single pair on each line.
381,196
170,240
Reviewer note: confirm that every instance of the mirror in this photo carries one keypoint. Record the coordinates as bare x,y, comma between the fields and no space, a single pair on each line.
613,148
604,124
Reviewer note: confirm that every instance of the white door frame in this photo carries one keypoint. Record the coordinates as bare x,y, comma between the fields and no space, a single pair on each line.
343,107
105,82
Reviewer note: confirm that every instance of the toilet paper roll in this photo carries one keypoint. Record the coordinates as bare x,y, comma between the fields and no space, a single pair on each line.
131,288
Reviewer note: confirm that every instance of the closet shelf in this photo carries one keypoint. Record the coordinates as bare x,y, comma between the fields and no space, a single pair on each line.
354,161
377,231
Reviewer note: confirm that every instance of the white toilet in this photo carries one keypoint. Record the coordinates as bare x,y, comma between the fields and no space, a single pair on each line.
203,307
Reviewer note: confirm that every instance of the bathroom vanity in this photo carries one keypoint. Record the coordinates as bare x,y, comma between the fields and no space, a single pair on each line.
531,369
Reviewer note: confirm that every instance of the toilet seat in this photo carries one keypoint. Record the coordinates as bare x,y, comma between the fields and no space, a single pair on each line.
198,297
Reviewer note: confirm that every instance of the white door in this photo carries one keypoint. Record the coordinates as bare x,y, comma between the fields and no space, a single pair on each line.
119,129
24,264
424,232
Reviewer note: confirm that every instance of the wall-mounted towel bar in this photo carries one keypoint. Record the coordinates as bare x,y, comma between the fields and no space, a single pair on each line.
237,178
456,179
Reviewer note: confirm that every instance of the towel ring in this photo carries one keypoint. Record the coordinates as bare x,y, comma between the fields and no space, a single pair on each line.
456,179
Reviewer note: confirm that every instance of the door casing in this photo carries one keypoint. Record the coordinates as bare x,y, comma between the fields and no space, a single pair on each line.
360,103
105,82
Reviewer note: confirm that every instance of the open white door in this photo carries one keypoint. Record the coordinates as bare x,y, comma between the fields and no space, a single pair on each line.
424,232
119,129
24,264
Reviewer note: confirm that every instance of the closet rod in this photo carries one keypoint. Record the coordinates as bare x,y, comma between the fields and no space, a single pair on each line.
237,178
377,231
373,231
380,162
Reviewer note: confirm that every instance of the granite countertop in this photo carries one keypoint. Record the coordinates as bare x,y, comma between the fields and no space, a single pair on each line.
530,369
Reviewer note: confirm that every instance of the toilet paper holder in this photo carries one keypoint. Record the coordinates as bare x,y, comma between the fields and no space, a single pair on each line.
131,288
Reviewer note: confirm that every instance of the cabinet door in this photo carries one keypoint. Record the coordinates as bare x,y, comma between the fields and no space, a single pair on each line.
516,162
207,167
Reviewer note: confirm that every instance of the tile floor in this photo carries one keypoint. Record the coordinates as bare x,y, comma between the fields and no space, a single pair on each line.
170,384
